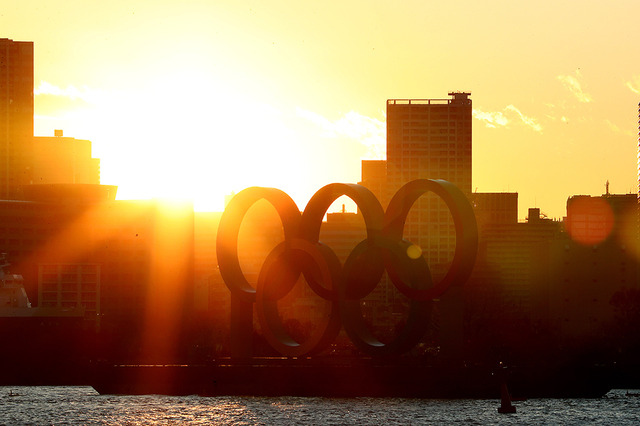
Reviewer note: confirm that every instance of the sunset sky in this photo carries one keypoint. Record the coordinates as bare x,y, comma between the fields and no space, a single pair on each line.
197,99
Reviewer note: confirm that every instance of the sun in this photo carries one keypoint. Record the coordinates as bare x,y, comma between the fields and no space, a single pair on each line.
185,137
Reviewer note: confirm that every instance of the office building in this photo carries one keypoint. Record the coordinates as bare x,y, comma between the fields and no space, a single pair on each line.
16,116
71,285
494,208
430,139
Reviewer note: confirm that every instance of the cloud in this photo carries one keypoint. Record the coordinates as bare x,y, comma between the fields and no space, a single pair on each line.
613,127
528,121
634,85
503,118
573,85
71,92
491,119
368,131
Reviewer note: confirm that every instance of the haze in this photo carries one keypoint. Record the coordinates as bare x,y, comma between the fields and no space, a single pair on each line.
197,99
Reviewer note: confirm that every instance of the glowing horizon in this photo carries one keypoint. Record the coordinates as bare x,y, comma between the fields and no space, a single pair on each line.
196,101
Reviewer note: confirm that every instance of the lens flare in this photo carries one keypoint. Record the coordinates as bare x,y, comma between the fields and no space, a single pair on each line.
414,251
590,220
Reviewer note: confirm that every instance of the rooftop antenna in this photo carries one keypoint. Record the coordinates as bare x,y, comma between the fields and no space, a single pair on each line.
606,186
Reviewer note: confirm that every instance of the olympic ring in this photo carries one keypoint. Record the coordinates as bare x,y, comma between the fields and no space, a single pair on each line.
343,286
419,310
464,222
267,307
229,227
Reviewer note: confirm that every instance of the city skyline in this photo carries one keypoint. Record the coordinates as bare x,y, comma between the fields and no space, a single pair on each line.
303,90
110,114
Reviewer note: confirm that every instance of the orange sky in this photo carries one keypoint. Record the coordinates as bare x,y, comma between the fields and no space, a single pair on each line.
198,99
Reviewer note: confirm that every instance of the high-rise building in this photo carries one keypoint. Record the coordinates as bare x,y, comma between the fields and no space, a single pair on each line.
16,116
430,139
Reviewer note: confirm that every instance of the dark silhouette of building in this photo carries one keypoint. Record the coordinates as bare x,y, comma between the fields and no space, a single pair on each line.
593,220
505,298
495,208
16,116
546,289
596,259
128,263
430,139
583,280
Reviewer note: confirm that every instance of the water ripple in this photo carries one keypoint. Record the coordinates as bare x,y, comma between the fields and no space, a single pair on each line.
82,405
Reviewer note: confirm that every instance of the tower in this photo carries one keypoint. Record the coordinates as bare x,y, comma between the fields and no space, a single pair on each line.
16,116
430,139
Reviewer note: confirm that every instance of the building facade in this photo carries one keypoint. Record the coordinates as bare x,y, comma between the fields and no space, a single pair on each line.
59,159
16,116
430,139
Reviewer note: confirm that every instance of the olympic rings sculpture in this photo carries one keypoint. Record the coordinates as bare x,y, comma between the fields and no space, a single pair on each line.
343,286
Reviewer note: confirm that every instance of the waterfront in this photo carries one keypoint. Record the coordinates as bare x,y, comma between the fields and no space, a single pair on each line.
83,405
